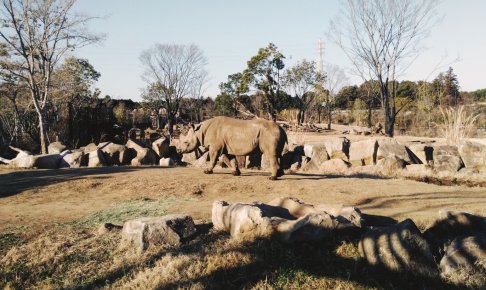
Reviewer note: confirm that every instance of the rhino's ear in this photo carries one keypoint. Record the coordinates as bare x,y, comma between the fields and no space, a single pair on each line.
197,126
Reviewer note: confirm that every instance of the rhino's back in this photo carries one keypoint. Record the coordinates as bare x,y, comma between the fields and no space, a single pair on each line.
240,137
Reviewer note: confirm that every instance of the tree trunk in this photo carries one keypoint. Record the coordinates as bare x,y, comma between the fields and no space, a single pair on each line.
369,113
43,132
329,116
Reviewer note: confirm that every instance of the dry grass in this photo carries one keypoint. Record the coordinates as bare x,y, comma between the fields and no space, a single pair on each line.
458,124
76,256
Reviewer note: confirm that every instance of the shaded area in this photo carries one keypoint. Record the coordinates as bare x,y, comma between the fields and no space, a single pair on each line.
332,263
15,182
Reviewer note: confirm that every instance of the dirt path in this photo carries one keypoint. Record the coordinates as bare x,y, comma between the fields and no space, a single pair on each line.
36,197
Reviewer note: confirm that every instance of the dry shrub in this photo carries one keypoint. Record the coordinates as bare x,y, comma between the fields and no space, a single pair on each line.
458,124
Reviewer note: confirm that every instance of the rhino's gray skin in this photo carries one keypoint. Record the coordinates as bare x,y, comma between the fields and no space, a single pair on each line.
223,135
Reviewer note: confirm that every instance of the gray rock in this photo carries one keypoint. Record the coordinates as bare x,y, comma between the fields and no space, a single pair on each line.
161,147
337,147
71,159
202,161
166,230
334,166
317,154
390,165
288,219
55,147
113,153
363,152
89,148
464,262
48,161
447,158
145,156
451,225
400,248
423,152
473,154
166,162
390,147
419,169
96,158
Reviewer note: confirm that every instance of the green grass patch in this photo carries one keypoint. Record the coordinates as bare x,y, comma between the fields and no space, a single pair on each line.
121,212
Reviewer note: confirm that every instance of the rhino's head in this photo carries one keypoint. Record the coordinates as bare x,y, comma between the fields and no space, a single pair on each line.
189,142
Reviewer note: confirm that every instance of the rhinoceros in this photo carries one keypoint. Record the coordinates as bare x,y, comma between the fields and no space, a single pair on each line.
224,135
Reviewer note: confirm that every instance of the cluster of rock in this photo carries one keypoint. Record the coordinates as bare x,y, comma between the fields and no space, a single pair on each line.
285,218
337,154
456,241
92,155
454,247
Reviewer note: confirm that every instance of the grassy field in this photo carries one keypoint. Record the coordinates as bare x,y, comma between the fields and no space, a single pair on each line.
78,255
52,234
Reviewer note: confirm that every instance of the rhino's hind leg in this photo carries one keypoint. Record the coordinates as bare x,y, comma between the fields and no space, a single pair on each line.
274,168
234,164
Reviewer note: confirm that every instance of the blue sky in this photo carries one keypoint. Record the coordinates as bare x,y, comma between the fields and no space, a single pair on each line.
230,32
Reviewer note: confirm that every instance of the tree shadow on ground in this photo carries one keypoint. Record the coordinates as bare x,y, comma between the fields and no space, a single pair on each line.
307,176
276,264
15,182
274,261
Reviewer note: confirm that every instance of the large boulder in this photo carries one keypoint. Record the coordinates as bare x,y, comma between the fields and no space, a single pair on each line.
56,147
464,262
297,208
288,219
191,157
48,161
317,154
334,166
363,152
390,147
243,221
89,148
113,153
145,156
391,164
23,159
447,158
337,147
201,162
166,162
400,248
473,154
166,230
161,147
423,152
96,158
451,225
419,169
71,159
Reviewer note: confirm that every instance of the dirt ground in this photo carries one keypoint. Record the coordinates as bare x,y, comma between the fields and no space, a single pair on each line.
42,197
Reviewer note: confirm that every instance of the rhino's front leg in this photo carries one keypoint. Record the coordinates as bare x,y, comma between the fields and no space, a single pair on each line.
213,158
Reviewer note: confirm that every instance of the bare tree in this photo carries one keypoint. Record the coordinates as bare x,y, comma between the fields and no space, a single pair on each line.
334,81
171,71
381,38
198,89
37,34
301,80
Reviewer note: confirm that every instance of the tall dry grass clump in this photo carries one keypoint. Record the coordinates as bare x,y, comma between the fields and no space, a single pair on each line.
458,124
